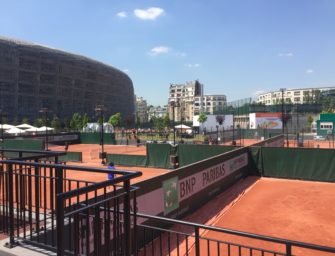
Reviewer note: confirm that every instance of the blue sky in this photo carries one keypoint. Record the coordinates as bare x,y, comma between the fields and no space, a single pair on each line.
235,47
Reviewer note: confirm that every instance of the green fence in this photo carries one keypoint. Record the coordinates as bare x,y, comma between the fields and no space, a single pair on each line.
258,133
24,144
158,155
94,138
127,160
296,163
71,157
189,154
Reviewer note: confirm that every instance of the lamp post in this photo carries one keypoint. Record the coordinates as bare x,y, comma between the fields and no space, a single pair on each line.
233,142
173,123
100,111
282,109
45,111
2,138
181,119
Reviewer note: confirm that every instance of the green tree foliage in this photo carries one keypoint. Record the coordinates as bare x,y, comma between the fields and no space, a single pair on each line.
220,119
158,123
66,122
202,118
39,122
15,121
166,120
115,120
55,123
84,121
76,121
309,121
25,120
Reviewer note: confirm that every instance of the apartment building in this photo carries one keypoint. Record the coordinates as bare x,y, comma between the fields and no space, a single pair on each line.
211,104
295,96
188,100
141,110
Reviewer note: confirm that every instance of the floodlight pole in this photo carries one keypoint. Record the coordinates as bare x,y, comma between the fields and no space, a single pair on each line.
2,138
181,120
45,112
172,103
282,109
100,110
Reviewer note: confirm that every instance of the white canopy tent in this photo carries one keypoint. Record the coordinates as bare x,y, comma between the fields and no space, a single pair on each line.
33,129
15,130
43,128
6,126
96,127
25,126
182,126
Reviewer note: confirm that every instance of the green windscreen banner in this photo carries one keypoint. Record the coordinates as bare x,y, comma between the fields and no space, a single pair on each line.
24,144
189,154
95,138
158,155
297,163
127,160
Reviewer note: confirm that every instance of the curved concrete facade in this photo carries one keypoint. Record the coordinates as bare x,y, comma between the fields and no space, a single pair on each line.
34,76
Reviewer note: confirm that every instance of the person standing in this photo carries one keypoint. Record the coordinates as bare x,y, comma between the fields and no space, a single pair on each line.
111,167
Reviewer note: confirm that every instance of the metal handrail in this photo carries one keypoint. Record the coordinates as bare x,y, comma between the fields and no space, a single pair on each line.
67,167
240,233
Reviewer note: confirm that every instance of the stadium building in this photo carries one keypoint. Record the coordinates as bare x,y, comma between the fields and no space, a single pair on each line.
34,77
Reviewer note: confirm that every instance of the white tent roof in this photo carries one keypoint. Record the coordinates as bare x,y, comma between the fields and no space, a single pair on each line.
182,126
25,126
43,128
6,126
15,130
33,129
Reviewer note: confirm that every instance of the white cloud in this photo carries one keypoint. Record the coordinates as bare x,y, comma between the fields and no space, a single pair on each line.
125,70
151,13
309,71
122,14
181,54
192,65
159,50
285,54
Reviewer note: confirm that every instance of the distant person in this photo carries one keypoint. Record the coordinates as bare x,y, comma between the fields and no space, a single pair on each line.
66,146
111,167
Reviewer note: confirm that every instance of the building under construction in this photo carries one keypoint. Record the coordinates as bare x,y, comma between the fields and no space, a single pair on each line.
34,77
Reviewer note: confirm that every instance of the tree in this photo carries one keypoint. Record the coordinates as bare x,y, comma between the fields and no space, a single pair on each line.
309,121
202,118
115,119
159,123
220,119
66,122
15,121
166,120
25,120
55,123
84,121
129,121
39,122
76,121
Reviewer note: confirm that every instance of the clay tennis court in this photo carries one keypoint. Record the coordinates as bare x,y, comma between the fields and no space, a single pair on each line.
91,159
291,209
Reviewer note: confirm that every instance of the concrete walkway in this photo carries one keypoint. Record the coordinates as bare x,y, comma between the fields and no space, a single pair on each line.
22,249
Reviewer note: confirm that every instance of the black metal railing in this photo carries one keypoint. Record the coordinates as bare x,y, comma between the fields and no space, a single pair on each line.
40,201
163,236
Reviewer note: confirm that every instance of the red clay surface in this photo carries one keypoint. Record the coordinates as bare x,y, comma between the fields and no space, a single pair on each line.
91,159
295,210
312,144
